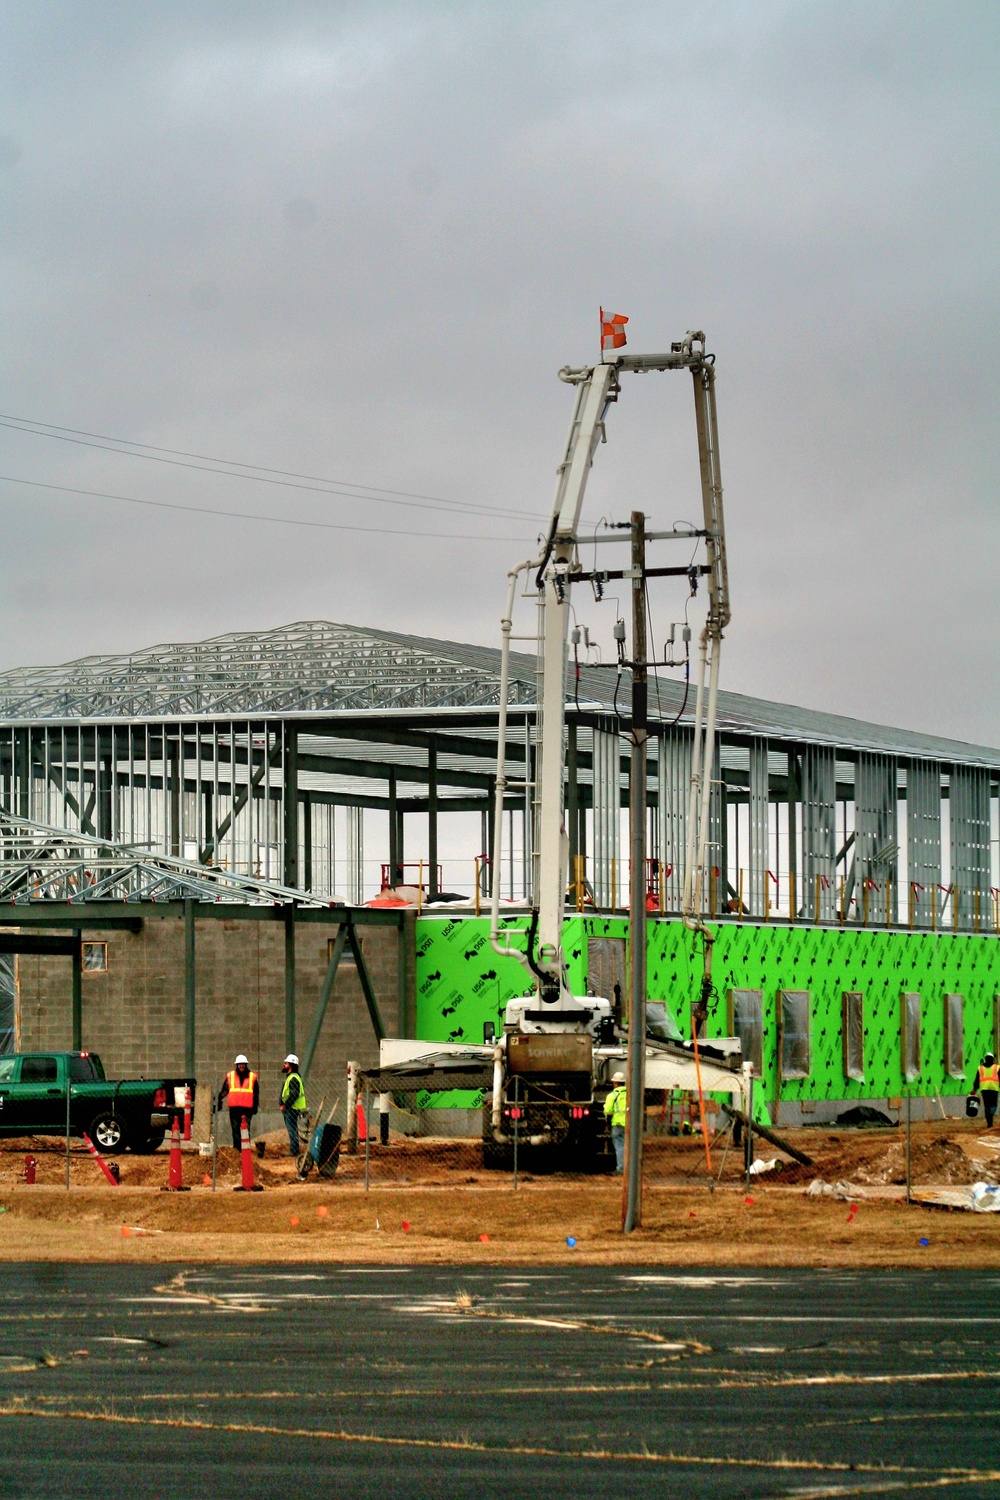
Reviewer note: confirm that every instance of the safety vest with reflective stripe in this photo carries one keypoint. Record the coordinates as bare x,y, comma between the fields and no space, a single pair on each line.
615,1104
989,1078
300,1100
240,1095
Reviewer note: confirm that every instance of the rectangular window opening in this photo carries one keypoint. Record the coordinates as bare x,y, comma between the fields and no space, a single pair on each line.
954,1036
795,1040
95,958
853,1031
746,1020
347,959
910,1034
606,968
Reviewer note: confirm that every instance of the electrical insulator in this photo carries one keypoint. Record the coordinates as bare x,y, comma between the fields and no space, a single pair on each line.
574,636
619,630
686,634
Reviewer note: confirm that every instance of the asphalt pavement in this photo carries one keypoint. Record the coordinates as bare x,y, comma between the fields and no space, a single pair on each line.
415,1382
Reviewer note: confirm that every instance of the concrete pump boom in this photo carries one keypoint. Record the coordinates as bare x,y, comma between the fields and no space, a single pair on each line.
597,387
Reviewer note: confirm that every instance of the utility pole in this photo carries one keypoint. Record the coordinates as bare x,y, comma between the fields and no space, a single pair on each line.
636,1062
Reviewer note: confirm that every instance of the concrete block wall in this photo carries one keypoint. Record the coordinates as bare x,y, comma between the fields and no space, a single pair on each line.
133,1014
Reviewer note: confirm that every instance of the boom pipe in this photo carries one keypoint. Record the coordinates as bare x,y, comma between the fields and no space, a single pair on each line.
504,949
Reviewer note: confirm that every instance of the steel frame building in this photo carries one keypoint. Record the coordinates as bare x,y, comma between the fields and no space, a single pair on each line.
231,755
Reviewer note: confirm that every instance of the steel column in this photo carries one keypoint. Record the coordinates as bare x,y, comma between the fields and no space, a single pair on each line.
432,814
189,988
290,979
77,961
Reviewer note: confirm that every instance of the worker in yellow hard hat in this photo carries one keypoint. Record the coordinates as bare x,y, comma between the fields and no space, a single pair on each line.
615,1107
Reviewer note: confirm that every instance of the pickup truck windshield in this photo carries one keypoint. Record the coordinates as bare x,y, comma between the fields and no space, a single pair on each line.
86,1070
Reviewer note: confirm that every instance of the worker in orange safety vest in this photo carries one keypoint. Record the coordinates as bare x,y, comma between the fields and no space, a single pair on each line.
988,1087
241,1091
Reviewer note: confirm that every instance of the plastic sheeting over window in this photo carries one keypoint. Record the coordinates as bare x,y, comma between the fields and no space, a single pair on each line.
954,1036
746,1010
8,1001
795,1051
910,1037
854,1034
606,967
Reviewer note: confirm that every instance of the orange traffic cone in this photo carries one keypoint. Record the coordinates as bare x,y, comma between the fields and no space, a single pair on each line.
187,1112
362,1123
176,1180
109,1172
246,1161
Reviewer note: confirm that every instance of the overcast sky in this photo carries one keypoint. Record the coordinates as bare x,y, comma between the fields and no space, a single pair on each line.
357,242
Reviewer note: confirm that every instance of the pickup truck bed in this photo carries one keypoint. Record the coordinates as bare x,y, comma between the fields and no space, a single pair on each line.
127,1114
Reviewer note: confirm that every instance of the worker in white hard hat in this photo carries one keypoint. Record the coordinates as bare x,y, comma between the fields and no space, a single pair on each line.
241,1091
615,1107
293,1101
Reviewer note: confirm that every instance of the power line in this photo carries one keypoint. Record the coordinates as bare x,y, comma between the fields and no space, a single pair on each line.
285,479
238,515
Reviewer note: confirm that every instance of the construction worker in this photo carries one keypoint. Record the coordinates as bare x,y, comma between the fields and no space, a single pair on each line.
615,1107
241,1090
293,1101
988,1087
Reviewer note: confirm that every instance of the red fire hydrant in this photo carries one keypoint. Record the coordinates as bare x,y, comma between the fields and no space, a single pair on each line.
29,1169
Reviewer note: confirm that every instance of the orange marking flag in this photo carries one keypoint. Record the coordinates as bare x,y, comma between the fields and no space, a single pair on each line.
612,331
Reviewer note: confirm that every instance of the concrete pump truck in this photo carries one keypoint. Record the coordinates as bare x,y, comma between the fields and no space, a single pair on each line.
553,1064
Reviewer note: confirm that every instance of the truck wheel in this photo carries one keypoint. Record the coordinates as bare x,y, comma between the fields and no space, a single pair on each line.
108,1134
152,1143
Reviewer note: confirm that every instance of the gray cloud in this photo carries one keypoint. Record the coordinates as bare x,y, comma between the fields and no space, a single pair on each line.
360,241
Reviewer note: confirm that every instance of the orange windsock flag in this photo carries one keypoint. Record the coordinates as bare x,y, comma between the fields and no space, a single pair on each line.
612,331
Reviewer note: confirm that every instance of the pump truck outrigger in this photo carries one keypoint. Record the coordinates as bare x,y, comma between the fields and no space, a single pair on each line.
552,1066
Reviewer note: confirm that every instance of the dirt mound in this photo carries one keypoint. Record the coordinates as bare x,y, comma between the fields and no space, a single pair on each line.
936,1161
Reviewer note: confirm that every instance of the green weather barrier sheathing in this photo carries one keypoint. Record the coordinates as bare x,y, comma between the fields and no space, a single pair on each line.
462,983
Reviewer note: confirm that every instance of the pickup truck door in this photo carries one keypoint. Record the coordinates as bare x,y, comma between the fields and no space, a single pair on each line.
8,1071
39,1095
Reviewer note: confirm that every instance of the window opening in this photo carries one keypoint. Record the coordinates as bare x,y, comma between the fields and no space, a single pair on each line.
95,958
853,1031
347,954
746,1020
606,968
954,1036
910,1029
795,1050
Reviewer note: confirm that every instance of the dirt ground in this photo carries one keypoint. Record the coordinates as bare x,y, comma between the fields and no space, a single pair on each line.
431,1202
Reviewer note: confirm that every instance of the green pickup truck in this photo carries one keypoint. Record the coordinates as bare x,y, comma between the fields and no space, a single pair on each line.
130,1115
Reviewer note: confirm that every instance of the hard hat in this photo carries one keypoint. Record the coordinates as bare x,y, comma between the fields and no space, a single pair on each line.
989,1059
291,1058
241,1059
618,1077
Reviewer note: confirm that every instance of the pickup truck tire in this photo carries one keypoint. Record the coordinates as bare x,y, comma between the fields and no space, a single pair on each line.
109,1134
152,1143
